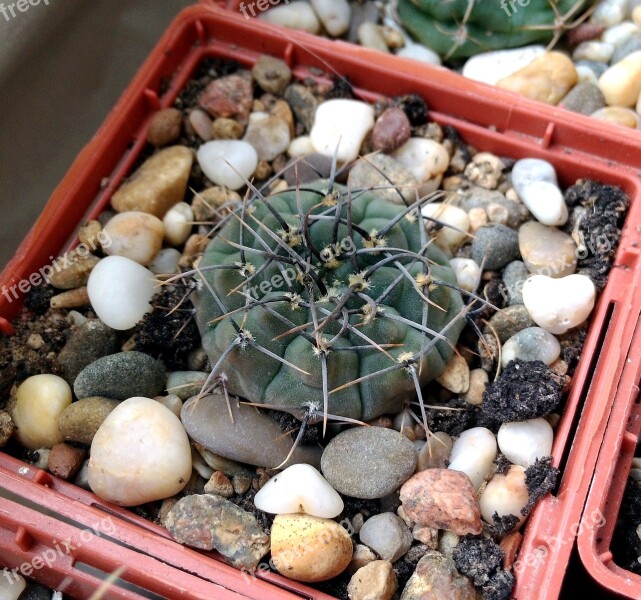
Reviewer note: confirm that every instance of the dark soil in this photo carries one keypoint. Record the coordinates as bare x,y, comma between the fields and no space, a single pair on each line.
540,478
38,298
626,545
477,558
414,107
452,422
501,526
502,465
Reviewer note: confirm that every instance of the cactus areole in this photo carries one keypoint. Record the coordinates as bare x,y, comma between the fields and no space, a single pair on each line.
327,297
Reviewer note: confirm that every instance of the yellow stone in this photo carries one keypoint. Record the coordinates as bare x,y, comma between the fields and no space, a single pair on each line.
618,115
621,83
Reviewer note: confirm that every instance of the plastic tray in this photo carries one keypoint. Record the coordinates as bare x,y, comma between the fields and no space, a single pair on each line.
484,117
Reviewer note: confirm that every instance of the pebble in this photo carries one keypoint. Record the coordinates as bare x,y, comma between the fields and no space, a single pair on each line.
509,321
252,438
532,343
370,36
340,126
135,235
391,130
514,276
40,400
387,535
523,442
7,428
268,135
547,250
172,402
636,16
178,223
165,262
485,170
185,384
381,460
311,168
72,271
473,453
505,494
626,48
547,78
478,380
299,489
585,74
610,12
65,461
164,128
309,549
220,485
468,273
201,124
436,577
387,176
158,184
374,581
456,223
456,376
362,554
139,454
297,15
435,454
584,98
121,376
425,159
208,201
229,163
302,102
226,129
593,50
597,68
333,14
271,74
442,498
11,585
478,218
621,83
617,115
494,246
490,67
302,146
210,522
420,53
557,305
80,421
228,97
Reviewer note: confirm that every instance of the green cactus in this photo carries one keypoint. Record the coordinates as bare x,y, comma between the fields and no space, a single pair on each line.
327,298
462,28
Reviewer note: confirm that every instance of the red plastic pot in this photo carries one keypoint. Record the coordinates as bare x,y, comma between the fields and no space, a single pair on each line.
485,117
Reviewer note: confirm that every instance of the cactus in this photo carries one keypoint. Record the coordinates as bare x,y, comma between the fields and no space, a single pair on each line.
462,28
326,297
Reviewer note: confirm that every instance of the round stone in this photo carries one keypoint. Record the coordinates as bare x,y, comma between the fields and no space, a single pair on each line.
135,235
532,343
494,246
80,421
229,163
546,250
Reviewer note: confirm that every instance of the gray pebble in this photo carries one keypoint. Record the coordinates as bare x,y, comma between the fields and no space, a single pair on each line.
508,322
303,104
514,275
584,98
628,47
383,172
271,74
185,384
597,68
478,197
494,246
387,535
307,169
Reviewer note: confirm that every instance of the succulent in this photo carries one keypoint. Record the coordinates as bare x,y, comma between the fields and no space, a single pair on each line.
329,298
462,28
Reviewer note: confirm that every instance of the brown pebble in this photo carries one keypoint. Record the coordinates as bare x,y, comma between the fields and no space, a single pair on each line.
391,130
7,427
282,111
383,421
230,96
584,33
263,170
72,270
77,298
226,129
165,127
510,545
219,484
88,234
241,483
206,202
65,461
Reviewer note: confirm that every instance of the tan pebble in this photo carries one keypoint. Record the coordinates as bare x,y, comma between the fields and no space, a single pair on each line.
393,37
165,509
621,83
72,270
258,106
435,578
547,250
164,128
617,115
80,421
65,461
452,183
546,79
375,581
241,483
201,123
436,452
135,235
309,549
636,16
478,218
35,341
456,376
277,186
478,380
226,129
426,535
263,170
77,298
510,545
383,421
559,366
89,234
208,201
505,494
219,484
363,555
282,110
512,196
195,244
7,428
485,170
497,213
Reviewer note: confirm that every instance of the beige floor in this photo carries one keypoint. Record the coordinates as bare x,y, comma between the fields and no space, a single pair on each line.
63,64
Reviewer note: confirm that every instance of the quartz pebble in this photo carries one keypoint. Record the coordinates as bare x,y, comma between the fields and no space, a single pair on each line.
120,291
333,14
268,135
419,53
557,305
505,494
387,176
340,126
135,235
468,273
178,223
297,15
201,123
424,158
523,442
478,380
436,577
40,400
139,454
455,222
387,535
12,585
547,250
374,581
456,376
435,453
621,83
229,163
473,453
299,488
165,262
300,146
610,12
535,182
532,343
309,549
490,67
593,50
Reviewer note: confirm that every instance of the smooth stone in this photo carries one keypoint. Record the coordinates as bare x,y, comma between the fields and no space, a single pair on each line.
362,554
478,380
251,438
610,12
494,246
546,203
370,36
302,103
547,78
547,250
523,442
208,522
309,549
381,460
12,585
207,202
528,170
597,68
340,126
532,343
229,97
636,15
391,130
584,98
301,146
390,179
505,495
436,577
135,235
65,461
621,83
120,291
473,453
158,184
164,128
271,74
185,384
419,53
299,489
201,123
584,75
435,454
229,163
140,453
559,304
489,67
456,376
178,223
425,159
443,499
172,402
268,135
374,581
387,535
73,270
593,50
334,15
307,169
455,221
509,321
165,262
40,400
224,128
475,197
617,115
514,276
80,421
626,48
468,273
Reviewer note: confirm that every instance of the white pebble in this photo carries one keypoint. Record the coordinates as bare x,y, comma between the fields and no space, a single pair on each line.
40,400
340,126
11,585
527,170
585,74
620,33
425,159
228,162
505,494
420,53
558,304
297,15
468,273
369,36
166,261
473,453
531,343
178,223
523,442
489,67
139,454
120,291
300,146
135,235
610,12
299,489
597,51
456,221
335,15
